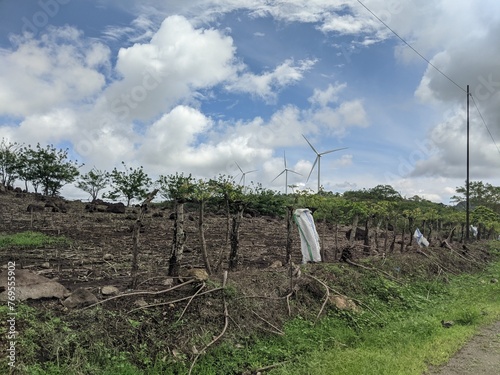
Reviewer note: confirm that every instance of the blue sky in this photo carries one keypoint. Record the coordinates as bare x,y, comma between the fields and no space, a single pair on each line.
197,86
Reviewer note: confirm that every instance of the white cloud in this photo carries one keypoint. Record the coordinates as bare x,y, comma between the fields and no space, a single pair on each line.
60,68
267,84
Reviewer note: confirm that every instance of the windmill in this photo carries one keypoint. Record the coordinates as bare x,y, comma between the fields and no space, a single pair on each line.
243,174
285,171
318,160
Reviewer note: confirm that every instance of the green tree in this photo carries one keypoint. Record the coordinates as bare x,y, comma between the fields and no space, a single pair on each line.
93,182
131,183
480,194
9,162
47,167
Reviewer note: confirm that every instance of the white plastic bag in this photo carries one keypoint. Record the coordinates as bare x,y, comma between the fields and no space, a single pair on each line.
421,240
309,239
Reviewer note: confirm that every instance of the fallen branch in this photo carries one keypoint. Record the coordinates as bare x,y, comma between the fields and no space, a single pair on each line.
374,270
174,301
140,294
190,300
226,323
270,367
278,331
327,294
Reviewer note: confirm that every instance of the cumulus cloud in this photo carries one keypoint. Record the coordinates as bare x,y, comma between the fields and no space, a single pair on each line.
60,68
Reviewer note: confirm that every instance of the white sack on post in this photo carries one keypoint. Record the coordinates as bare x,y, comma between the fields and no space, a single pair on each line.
309,239
421,240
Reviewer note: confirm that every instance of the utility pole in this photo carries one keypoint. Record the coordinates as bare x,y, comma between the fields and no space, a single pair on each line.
467,205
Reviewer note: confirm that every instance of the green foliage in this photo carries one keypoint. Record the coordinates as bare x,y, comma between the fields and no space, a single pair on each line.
46,167
93,182
177,187
9,162
29,239
131,183
480,194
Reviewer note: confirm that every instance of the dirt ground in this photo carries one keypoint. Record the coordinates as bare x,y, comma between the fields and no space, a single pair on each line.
480,356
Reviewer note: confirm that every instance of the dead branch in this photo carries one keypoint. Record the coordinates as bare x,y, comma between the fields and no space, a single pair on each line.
174,301
190,300
437,263
226,323
278,331
374,270
140,294
327,294
270,367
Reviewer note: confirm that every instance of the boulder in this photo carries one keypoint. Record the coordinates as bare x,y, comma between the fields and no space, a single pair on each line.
109,290
199,274
116,208
80,298
35,208
29,285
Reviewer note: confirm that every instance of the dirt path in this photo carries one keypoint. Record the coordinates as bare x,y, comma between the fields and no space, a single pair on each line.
480,356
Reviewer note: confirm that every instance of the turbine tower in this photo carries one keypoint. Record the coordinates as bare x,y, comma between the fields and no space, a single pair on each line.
318,160
285,171
243,174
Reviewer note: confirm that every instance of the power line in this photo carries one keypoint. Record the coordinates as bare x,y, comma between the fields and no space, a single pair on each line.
434,66
411,47
484,123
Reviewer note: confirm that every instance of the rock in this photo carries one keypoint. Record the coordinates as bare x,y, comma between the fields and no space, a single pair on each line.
108,257
116,208
343,303
198,274
45,265
447,323
29,285
276,264
494,281
168,282
80,298
109,290
140,302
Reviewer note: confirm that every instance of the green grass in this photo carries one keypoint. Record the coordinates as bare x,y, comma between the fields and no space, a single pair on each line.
29,239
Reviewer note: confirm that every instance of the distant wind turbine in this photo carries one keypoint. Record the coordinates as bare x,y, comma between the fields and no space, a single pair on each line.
243,174
285,171
318,160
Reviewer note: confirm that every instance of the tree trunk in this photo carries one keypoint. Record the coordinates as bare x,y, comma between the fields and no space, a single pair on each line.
235,240
289,239
353,231
178,240
403,236
203,242
336,240
366,241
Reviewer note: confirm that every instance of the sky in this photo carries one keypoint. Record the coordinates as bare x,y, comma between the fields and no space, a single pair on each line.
206,87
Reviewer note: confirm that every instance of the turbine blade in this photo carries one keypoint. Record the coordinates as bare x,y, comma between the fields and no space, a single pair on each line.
278,175
337,149
289,170
310,145
315,161
239,167
284,158
253,170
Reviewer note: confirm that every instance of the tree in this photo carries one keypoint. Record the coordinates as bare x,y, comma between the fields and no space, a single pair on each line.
9,162
130,183
179,189
93,182
480,194
47,167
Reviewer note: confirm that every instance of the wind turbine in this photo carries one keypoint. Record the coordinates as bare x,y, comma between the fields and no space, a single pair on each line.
285,171
318,159
243,174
